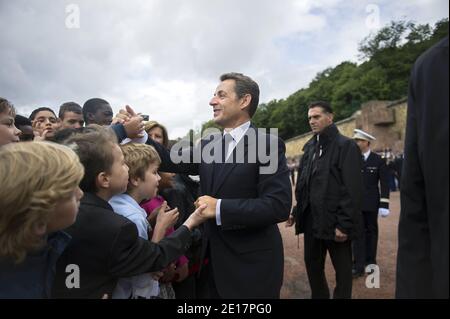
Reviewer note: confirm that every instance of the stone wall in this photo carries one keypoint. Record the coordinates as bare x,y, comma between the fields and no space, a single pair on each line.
386,120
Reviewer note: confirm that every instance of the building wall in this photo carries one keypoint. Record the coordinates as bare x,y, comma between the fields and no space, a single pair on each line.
385,120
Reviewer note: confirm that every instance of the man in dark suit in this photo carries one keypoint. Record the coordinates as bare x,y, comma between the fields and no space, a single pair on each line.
375,176
246,195
328,193
422,260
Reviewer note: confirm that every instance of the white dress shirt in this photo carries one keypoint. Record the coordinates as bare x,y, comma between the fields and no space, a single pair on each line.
366,155
237,134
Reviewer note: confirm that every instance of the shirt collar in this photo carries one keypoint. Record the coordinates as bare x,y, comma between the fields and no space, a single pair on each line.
238,132
366,155
127,199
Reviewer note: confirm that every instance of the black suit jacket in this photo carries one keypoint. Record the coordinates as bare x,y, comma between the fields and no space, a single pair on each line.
106,246
422,264
330,185
246,250
375,177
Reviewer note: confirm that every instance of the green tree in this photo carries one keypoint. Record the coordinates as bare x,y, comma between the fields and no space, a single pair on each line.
383,74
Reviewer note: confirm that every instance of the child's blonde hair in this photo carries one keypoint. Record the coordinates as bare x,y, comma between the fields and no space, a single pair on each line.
138,158
35,176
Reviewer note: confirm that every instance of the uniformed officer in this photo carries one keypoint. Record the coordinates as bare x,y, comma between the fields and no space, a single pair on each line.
375,173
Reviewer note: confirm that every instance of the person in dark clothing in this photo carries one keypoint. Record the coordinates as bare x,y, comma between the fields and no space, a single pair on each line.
106,246
181,194
245,200
374,172
328,193
422,259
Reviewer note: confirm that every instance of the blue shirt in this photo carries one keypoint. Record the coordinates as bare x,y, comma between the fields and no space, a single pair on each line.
143,285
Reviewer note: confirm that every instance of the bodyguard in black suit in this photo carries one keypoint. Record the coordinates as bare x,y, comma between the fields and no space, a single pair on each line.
328,192
246,197
422,260
375,177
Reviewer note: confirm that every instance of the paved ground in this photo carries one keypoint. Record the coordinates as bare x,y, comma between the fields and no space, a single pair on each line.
296,285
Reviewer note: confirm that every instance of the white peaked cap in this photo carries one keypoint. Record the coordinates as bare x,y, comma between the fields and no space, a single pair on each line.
361,135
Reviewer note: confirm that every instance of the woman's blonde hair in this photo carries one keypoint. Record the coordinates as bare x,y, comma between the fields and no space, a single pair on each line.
35,176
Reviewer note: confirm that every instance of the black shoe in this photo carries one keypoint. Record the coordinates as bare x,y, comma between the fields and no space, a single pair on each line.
357,273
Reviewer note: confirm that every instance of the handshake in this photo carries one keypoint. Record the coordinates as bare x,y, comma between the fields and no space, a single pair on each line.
205,209
132,122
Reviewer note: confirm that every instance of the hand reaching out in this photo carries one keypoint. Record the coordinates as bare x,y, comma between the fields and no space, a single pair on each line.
132,122
166,218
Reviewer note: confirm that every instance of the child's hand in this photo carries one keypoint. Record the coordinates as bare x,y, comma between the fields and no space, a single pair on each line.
151,218
196,218
169,273
166,219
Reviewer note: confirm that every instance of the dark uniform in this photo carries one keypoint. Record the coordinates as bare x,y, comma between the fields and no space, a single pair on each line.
329,192
375,176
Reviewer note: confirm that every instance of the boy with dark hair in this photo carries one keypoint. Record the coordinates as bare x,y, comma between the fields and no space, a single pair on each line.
106,246
44,123
97,111
70,115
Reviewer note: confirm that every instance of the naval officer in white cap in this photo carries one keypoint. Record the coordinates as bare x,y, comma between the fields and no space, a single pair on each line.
375,173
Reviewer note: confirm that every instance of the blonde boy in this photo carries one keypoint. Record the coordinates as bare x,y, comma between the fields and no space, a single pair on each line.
38,198
143,162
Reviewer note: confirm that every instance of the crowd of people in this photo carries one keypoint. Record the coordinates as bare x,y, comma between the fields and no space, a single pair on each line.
59,161
94,205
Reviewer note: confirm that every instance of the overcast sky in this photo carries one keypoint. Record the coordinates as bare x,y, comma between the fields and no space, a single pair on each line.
164,57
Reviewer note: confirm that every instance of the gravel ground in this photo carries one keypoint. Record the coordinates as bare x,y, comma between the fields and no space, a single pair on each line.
296,285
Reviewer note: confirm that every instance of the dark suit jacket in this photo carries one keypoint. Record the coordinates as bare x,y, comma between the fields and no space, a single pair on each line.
106,246
246,251
422,264
330,185
375,176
